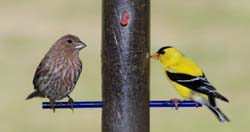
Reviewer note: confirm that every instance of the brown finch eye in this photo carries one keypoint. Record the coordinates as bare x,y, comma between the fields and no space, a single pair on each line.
69,41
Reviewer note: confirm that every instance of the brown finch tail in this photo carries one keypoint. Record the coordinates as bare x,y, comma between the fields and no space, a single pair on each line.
34,94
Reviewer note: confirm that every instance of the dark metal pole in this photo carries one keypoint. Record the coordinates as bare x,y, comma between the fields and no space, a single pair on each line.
125,65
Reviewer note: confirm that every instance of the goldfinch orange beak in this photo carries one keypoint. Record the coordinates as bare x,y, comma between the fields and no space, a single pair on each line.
155,56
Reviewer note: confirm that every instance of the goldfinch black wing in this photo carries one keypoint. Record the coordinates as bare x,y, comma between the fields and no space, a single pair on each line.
197,83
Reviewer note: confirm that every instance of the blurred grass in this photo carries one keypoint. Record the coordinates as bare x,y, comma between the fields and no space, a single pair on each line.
215,33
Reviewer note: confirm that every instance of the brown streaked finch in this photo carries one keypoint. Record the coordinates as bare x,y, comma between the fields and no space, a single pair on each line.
58,72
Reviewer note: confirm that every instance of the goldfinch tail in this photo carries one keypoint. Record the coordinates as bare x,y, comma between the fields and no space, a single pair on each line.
219,114
219,96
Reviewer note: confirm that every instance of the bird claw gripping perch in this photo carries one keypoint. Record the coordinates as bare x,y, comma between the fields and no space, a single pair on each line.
52,105
175,102
71,103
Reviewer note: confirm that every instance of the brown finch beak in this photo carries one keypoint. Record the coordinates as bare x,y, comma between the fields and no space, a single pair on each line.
155,56
80,45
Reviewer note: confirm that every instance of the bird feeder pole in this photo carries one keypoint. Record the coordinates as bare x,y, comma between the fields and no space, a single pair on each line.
125,65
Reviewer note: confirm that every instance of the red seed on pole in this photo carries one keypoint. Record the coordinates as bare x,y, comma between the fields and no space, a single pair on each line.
124,19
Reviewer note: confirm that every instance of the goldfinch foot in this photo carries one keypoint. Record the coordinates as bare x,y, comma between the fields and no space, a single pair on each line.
175,102
197,105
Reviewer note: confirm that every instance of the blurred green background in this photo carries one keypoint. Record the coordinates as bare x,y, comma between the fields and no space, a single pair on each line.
215,33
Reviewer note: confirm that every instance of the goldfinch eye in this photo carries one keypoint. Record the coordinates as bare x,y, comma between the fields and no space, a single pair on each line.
161,52
69,41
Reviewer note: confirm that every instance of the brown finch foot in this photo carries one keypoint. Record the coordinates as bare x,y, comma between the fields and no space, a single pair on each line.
175,102
71,102
52,104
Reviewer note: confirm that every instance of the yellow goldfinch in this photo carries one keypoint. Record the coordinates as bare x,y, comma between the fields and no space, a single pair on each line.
189,80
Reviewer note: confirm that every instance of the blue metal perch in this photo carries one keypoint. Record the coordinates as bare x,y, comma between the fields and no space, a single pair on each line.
99,104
